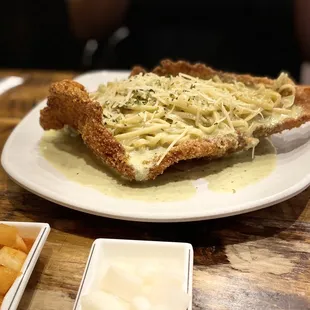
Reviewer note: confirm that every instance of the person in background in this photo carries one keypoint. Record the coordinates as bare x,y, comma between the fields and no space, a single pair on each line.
258,37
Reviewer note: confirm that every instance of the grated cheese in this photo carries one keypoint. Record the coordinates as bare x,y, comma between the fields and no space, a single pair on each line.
145,112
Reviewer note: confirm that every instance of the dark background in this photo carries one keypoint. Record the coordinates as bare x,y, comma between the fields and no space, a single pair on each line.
256,37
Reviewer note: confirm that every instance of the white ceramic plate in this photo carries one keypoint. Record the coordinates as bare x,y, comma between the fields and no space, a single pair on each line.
22,161
105,251
39,232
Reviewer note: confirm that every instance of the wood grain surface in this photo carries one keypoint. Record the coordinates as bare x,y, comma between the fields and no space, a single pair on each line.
259,260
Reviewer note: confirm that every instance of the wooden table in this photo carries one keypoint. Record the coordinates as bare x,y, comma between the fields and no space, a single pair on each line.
259,260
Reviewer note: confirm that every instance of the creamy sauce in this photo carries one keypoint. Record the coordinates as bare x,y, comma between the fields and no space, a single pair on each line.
70,156
240,170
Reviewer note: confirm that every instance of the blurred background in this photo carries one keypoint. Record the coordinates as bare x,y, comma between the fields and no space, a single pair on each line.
261,37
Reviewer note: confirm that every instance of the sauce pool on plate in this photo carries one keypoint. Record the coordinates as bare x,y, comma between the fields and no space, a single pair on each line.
70,156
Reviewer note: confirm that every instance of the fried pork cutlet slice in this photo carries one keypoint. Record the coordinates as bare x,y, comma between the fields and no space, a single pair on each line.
144,124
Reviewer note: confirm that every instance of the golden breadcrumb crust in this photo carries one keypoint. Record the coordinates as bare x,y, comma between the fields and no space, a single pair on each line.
70,104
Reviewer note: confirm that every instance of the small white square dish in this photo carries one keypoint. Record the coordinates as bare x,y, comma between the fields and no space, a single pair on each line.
38,232
122,270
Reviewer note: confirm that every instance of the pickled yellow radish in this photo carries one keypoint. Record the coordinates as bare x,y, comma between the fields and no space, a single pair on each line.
20,244
12,258
7,235
7,278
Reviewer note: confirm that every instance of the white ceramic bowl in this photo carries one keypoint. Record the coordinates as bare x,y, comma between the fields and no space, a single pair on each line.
106,250
38,232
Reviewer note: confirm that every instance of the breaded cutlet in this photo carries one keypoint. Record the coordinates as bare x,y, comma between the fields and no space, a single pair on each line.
177,106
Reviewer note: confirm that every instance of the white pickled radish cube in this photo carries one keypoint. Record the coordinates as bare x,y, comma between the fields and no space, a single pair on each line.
162,307
146,290
166,278
99,300
140,303
174,298
148,270
126,266
121,283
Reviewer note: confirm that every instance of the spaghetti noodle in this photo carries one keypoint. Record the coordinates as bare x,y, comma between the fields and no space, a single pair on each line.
150,111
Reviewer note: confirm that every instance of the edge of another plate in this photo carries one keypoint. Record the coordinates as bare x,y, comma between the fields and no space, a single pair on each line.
14,294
